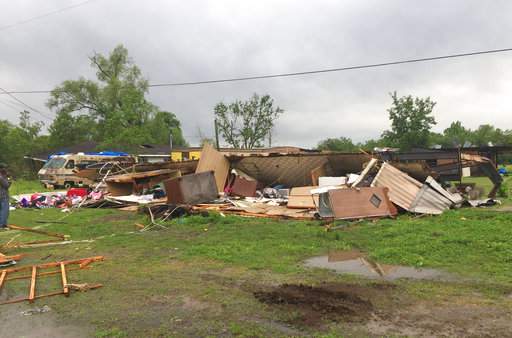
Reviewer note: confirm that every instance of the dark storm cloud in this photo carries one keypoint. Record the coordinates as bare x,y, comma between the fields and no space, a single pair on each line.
175,41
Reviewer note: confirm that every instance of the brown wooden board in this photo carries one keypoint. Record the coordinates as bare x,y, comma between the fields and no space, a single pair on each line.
361,203
212,160
301,198
192,189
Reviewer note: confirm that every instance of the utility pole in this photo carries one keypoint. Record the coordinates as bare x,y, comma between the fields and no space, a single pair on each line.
270,138
216,134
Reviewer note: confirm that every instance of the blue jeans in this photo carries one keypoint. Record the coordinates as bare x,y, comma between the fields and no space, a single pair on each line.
4,212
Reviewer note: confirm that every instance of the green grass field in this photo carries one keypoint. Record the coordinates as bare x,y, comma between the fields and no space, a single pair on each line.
215,259
197,278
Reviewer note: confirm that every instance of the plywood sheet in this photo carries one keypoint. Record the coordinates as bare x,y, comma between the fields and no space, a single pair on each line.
301,198
212,160
361,203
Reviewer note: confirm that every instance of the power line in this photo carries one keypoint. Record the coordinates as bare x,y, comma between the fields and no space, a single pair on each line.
44,15
49,118
329,70
311,72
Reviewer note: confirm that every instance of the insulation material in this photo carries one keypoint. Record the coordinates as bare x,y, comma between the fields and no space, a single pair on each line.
325,181
212,160
356,203
301,198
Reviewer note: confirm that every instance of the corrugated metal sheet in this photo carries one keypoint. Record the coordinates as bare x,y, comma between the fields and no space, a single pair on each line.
454,198
403,189
428,201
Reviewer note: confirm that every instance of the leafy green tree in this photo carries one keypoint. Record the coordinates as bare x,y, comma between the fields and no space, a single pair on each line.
67,129
486,134
246,124
113,109
411,122
20,140
337,144
456,135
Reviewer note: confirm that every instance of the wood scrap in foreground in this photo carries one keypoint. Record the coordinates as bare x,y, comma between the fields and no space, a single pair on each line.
57,293
36,231
66,287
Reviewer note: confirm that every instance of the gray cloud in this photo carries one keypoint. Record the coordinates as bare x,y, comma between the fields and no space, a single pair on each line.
195,40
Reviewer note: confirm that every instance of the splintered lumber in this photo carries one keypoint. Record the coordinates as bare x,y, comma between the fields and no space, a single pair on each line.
36,231
2,279
43,274
32,293
64,279
34,243
55,264
19,300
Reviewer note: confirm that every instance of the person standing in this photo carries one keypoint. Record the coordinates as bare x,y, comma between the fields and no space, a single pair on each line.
5,183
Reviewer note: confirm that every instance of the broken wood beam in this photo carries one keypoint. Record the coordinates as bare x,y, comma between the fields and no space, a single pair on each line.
32,292
2,279
43,274
19,300
64,279
36,231
56,264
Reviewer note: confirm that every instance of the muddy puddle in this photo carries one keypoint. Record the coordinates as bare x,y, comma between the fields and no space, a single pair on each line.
315,304
357,263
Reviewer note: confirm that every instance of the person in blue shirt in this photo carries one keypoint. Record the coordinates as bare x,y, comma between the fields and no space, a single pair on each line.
5,183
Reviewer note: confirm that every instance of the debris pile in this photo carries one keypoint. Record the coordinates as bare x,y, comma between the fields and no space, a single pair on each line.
297,185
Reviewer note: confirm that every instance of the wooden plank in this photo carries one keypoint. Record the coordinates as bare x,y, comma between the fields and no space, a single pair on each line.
19,300
55,264
36,231
301,198
43,274
2,279
32,293
211,159
64,279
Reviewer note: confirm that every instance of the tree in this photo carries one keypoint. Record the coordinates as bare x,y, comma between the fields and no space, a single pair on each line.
114,108
337,144
246,124
411,121
456,135
67,129
20,140
486,134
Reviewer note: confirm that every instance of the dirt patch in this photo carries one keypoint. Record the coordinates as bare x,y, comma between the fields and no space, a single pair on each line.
43,325
314,304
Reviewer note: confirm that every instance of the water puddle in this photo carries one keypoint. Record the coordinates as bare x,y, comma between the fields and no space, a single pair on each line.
356,263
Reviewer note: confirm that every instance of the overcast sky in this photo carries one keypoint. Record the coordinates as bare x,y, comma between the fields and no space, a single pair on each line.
173,41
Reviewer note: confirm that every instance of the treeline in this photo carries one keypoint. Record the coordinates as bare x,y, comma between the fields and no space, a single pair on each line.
456,135
112,110
411,128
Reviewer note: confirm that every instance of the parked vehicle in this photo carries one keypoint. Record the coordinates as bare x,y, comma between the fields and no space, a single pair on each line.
60,170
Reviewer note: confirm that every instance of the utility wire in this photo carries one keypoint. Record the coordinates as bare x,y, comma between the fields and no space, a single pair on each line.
44,15
319,71
49,118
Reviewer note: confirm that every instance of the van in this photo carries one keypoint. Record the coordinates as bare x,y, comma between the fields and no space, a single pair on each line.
60,170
